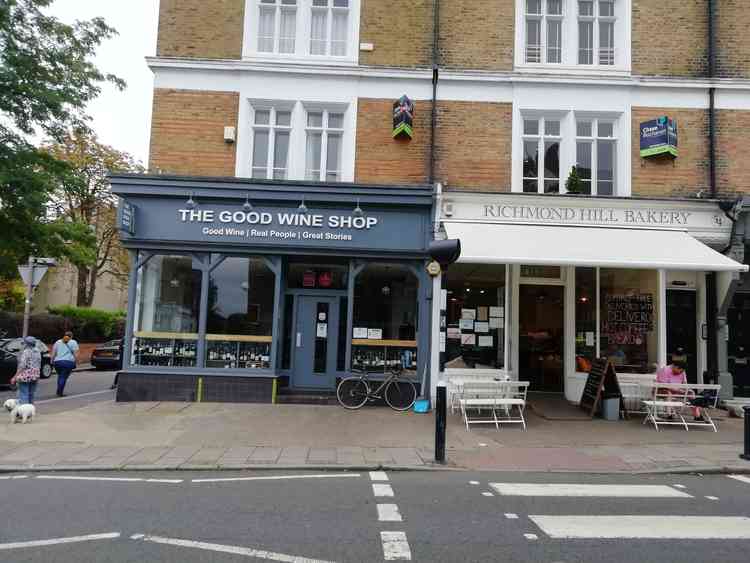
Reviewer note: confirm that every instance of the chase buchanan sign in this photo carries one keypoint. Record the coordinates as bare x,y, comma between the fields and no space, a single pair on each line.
588,215
658,137
281,225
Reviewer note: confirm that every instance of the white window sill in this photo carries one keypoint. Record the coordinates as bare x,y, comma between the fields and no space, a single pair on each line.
272,58
579,70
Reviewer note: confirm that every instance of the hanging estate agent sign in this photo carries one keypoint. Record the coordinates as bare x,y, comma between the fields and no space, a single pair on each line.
126,217
658,136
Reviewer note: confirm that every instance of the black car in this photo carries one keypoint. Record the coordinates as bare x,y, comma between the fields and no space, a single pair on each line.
10,350
107,355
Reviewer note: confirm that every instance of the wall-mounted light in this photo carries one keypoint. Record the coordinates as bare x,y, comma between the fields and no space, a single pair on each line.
190,203
302,207
358,210
247,206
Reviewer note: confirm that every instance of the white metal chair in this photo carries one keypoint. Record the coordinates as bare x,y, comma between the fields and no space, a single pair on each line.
498,398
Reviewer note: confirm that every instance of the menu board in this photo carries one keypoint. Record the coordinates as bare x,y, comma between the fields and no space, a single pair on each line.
602,376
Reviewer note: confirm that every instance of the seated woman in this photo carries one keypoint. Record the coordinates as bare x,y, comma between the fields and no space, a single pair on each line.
675,373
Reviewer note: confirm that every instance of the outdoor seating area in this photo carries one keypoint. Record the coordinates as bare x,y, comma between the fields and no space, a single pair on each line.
490,401
672,403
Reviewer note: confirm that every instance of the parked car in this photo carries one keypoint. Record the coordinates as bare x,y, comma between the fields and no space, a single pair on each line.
107,355
10,350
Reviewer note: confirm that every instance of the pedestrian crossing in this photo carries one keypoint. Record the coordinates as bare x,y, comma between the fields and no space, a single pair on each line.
587,490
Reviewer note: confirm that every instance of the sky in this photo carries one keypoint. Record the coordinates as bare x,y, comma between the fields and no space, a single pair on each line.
121,119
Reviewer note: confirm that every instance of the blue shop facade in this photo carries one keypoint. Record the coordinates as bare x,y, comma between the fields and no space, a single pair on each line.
245,290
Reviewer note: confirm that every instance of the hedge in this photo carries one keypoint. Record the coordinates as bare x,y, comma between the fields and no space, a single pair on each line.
87,325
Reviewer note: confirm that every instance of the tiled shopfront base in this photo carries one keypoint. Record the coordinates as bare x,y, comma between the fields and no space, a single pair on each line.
133,386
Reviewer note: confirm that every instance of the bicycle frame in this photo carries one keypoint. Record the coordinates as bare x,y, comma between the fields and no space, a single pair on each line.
377,393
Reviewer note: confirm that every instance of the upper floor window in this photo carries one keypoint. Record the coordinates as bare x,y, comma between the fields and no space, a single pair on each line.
574,33
301,28
325,130
541,155
271,133
595,155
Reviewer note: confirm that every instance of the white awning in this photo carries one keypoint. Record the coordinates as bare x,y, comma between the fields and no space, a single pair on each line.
488,243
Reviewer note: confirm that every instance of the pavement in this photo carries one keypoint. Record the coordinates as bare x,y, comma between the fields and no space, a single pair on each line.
359,516
88,430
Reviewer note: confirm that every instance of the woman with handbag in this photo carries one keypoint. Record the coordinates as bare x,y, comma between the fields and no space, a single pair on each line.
64,358
27,373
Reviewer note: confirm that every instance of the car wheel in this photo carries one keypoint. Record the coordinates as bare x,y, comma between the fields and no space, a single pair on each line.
46,372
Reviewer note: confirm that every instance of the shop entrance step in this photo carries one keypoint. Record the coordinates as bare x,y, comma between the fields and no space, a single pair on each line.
303,397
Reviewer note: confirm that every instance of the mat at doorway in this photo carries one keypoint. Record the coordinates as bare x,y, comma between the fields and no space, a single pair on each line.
554,406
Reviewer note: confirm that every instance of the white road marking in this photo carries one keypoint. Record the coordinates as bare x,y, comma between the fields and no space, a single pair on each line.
679,486
389,513
709,497
276,477
137,536
395,546
482,445
743,478
473,482
487,494
531,536
511,516
234,550
382,490
13,477
57,541
378,476
584,490
57,399
115,479
644,527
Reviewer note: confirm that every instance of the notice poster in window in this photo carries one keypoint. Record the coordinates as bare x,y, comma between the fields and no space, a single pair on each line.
443,298
481,327
495,323
485,342
468,339
454,333
375,334
482,313
589,339
322,330
466,324
469,314
496,312
360,332
442,342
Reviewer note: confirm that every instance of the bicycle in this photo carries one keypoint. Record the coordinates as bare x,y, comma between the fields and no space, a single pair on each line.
354,391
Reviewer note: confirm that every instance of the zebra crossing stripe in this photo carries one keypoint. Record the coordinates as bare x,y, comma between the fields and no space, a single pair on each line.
743,478
586,490
644,527
395,546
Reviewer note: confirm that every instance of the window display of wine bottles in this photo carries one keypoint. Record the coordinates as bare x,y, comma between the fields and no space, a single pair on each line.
172,352
372,358
238,355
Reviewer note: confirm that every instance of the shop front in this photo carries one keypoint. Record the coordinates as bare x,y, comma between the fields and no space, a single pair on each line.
546,284
240,290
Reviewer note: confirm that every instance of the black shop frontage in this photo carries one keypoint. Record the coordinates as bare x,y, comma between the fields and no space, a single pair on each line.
241,290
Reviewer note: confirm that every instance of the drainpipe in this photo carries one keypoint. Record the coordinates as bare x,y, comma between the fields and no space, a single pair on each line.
433,117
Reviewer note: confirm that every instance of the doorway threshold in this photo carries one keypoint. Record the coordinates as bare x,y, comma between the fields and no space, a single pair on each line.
288,396
554,406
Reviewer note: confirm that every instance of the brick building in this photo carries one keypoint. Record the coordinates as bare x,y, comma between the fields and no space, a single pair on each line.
509,96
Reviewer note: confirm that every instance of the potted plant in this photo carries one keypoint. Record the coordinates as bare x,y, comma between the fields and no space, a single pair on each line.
574,185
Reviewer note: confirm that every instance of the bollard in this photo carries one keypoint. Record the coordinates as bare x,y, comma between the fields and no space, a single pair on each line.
746,455
440,422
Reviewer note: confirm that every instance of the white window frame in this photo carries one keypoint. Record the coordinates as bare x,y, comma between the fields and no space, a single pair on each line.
593,141
273,128
325,130
568,144
541,138
569,64
543,18
279,7
596,19
303,29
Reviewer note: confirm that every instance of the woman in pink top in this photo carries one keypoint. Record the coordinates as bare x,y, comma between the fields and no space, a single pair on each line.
675,373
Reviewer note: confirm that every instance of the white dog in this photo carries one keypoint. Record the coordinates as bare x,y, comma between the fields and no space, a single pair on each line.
10,404
25,412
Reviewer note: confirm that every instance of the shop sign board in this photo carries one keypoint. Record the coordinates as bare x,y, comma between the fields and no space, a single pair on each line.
658,137
126,217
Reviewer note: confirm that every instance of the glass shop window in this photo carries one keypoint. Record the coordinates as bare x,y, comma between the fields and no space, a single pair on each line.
239,327
386,311
628,314
475,316
168,294
585,318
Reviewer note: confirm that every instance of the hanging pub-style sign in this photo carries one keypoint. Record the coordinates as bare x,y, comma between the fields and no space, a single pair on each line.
659,136
403,112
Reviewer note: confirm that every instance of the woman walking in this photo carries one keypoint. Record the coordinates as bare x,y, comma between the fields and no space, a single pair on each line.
64,358
27,374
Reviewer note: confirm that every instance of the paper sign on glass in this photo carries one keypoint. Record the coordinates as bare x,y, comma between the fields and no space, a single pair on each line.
481,327
375,333
485,341
360,332
322,330
496,311
496,322
589,339
468,339
442,342
454,333
469,314
466,324
443,298
482,313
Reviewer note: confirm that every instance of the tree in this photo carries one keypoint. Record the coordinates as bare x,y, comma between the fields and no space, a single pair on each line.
46,81
83,196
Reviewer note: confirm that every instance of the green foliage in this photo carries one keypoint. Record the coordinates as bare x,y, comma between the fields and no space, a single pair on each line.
46,80
90,323
574,185
12,295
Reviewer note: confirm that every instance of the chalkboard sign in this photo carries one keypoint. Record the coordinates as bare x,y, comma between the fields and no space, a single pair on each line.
601,377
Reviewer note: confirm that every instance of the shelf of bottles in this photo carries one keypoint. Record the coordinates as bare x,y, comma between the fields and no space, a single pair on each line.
238,355
383,358
164,352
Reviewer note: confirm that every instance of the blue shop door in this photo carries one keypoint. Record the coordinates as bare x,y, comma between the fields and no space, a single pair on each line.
316,342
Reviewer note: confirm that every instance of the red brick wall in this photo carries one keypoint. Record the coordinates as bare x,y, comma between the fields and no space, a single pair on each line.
733,39
732,150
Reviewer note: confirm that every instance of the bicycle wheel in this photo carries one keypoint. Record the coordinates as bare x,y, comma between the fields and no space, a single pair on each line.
400,395
352,392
